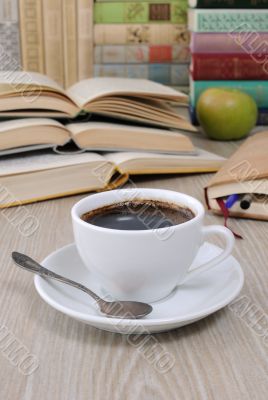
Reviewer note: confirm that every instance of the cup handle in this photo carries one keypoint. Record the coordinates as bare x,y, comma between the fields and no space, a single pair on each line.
229,244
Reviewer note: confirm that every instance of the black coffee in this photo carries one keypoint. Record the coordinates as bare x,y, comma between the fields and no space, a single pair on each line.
138,215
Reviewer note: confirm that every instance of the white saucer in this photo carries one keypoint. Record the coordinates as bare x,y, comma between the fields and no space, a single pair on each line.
199,297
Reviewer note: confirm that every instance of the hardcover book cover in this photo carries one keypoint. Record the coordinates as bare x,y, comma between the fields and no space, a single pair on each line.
229,42
141,34
168,74
220,20
31,36
229,66
141,12
257,89
10,56
141,53
228,3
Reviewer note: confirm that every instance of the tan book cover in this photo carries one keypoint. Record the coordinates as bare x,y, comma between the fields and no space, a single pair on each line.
146,33
85,38
245,172
70,42
53,40
31,33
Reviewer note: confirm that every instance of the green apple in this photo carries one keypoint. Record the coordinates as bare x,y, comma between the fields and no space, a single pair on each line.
226,114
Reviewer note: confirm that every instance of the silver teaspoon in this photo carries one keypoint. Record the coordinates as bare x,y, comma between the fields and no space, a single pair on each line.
115,309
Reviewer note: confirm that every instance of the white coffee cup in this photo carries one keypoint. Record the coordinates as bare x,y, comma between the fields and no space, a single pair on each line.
144,265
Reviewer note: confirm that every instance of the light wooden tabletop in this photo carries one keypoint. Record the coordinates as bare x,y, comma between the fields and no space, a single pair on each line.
222,357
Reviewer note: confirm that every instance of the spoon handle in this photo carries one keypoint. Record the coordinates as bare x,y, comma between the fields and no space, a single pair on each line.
29,264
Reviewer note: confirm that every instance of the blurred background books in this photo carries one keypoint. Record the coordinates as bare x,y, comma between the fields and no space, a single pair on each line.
72,40
229,49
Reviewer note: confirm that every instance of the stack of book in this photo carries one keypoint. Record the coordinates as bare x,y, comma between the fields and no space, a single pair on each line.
52,37
142,39
229,48
95,153
94,134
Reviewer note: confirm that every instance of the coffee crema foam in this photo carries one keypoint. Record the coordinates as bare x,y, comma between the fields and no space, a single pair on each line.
138,214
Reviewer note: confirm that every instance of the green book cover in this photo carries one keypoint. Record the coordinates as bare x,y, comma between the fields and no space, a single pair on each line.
228,3
141,12
220,20
256,89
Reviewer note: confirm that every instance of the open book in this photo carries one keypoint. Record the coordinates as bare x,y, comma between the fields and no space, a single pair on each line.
36,133
29,94
245,173
44,175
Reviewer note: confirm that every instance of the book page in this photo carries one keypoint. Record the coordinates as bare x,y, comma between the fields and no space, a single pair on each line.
91,89
121,157
44,160
77,128
16,81
28,122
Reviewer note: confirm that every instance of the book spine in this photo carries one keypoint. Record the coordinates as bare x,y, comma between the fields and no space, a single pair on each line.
242,42
228,66
228,3
69,42
53,39
31,34
141,34
85,38
228,20
138,1
168,74
257,89
262,116
9,11
141,12
10,57
135,54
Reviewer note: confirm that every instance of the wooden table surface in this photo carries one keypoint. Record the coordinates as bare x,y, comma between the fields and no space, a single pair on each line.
222,357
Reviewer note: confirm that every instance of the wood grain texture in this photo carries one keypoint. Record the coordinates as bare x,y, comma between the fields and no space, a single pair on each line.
219,357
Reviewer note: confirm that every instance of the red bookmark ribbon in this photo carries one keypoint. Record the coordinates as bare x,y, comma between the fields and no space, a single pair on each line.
225,213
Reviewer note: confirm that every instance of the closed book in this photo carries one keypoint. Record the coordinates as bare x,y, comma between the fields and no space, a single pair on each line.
31,34
257,89
10,54
141,34
229,42
245,172
85,38
70,42
168,74
229,66
262,116
140,53
53,40
141,12
221,20
228,3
